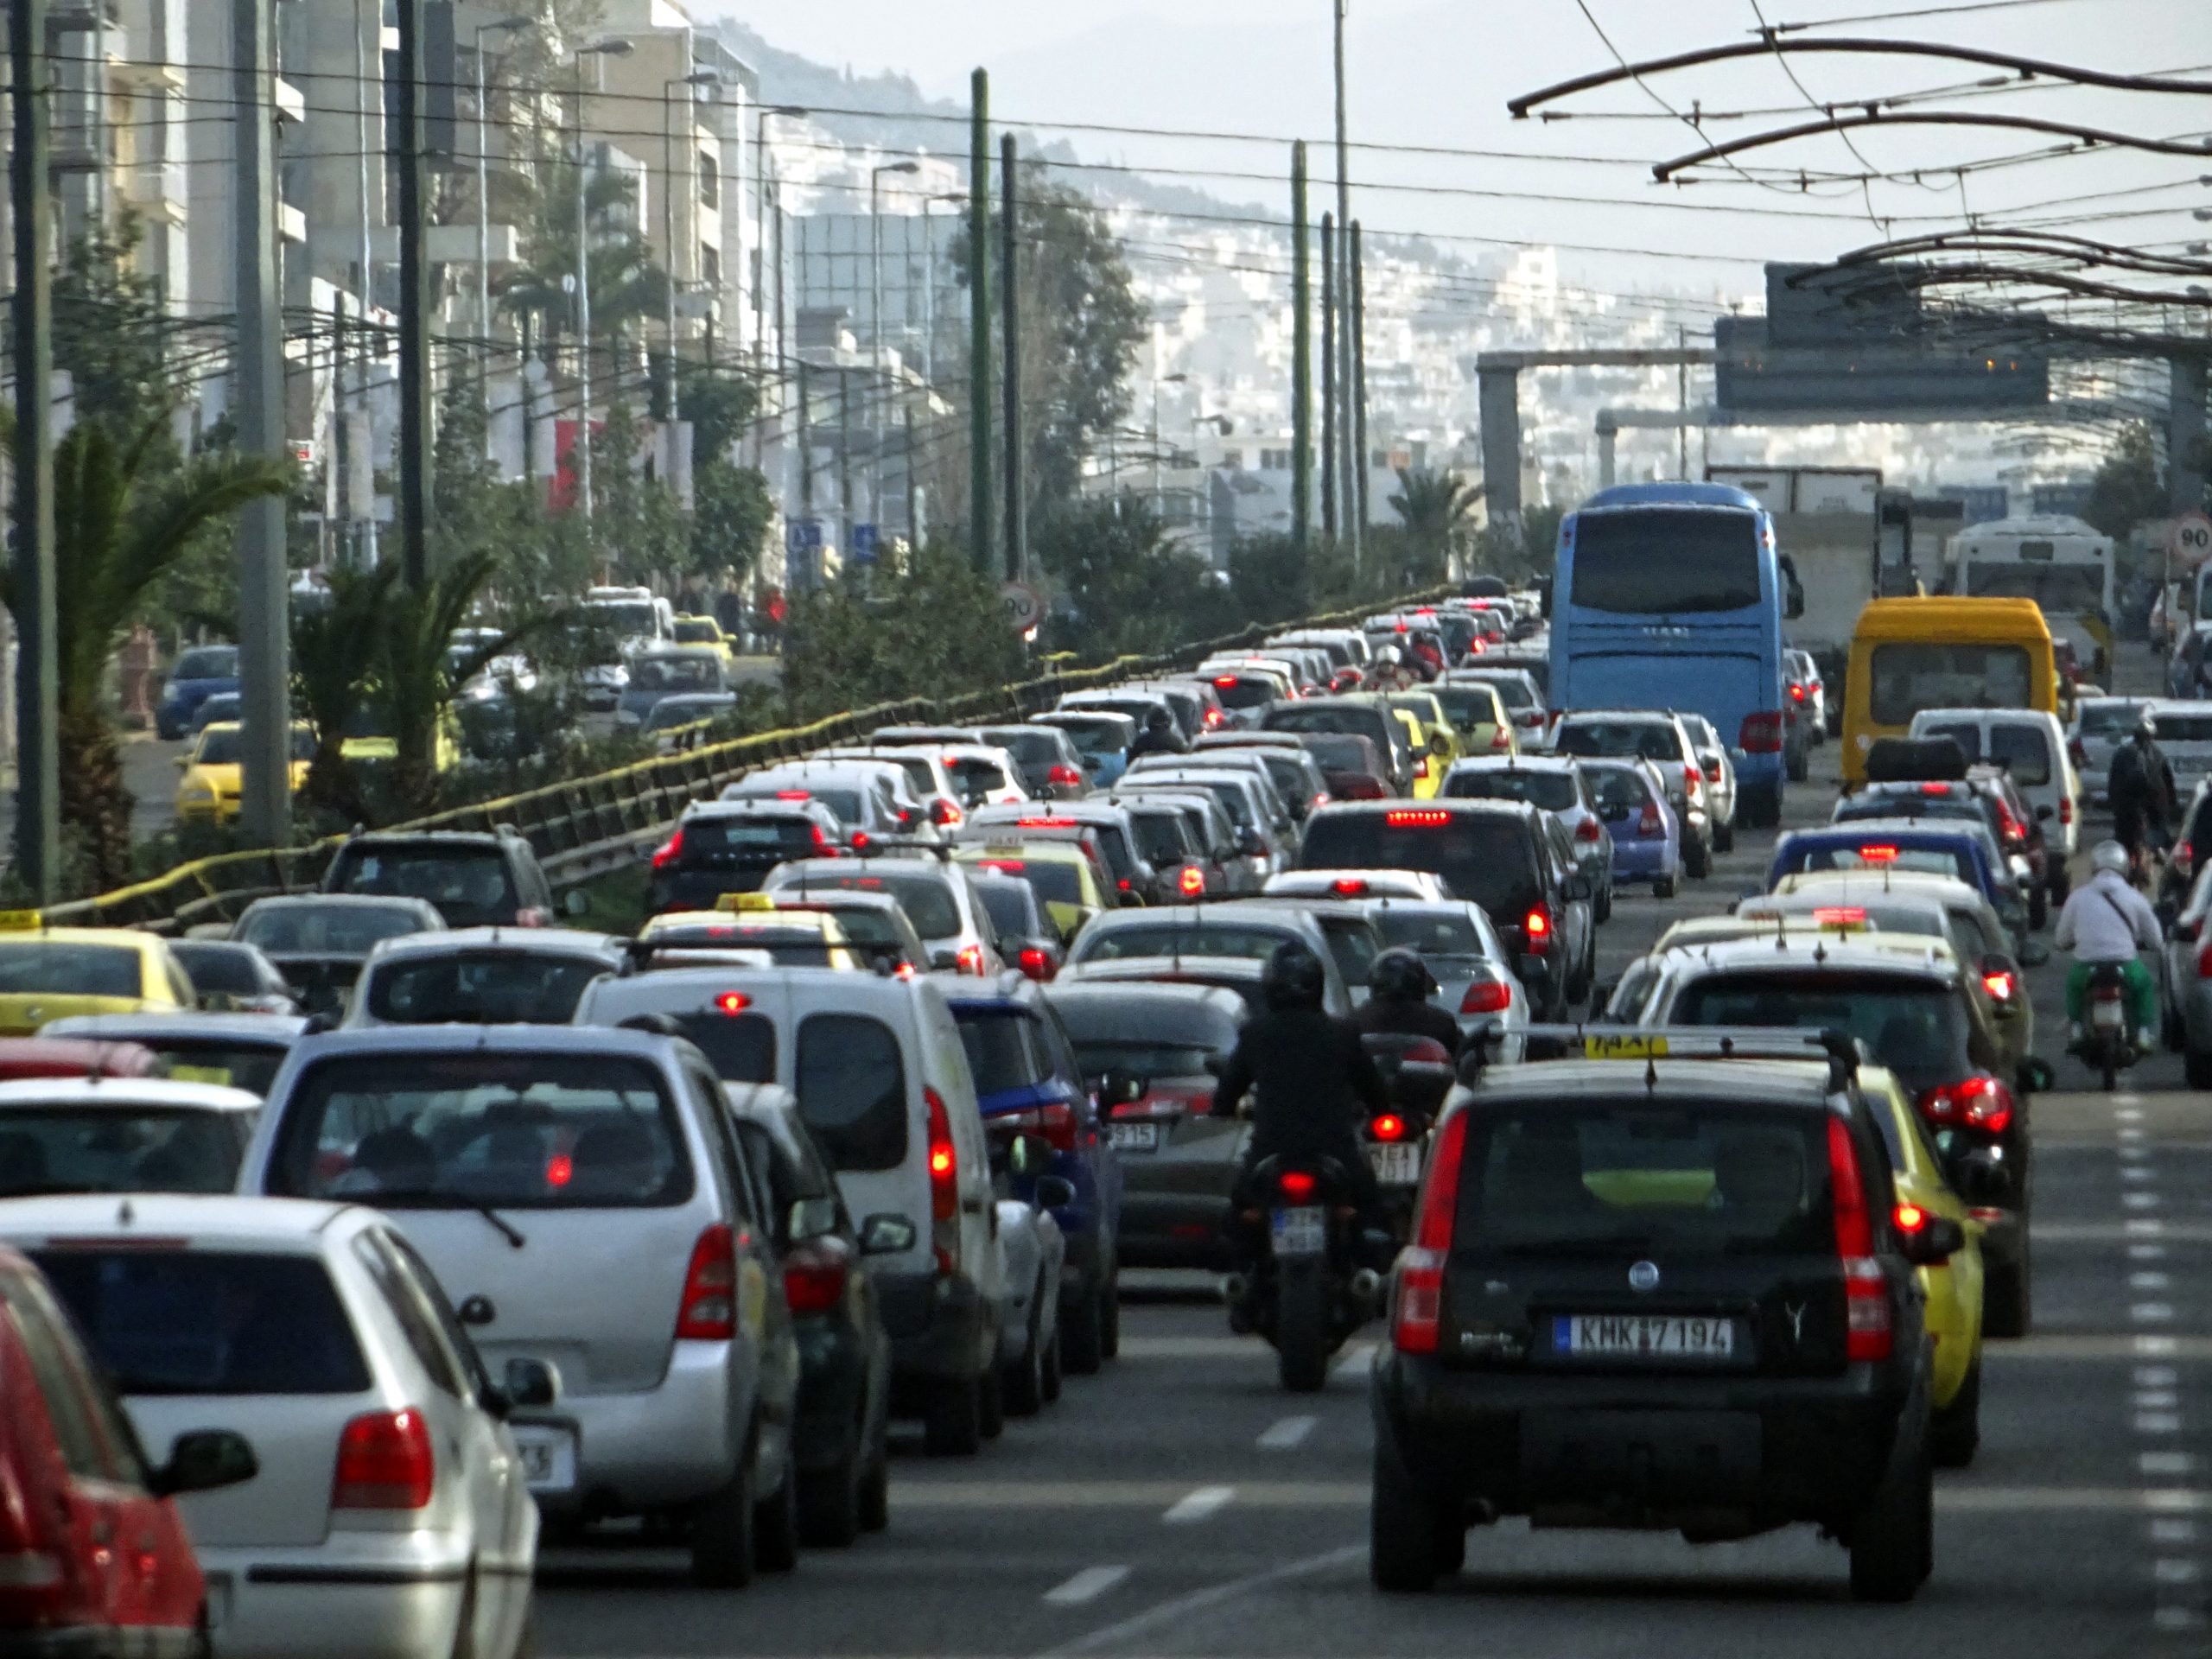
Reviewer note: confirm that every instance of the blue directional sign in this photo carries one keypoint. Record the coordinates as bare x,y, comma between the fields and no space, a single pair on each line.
803,536
865,544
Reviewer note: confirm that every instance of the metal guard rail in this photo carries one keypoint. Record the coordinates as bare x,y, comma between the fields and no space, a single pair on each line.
581,827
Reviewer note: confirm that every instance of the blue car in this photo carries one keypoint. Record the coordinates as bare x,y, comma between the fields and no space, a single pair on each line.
1027,1082
1965,851
198,675
1647,834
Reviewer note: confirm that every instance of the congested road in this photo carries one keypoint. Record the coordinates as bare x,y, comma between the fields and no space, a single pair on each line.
1180,1503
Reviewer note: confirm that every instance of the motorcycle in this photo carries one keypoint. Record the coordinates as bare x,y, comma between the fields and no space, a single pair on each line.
1309,1291
2106,1045
1417,1070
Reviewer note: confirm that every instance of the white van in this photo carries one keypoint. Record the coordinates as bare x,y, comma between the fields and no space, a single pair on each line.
882,1080
2031,744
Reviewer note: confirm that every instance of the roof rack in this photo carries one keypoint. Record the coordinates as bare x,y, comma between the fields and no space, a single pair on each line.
1842,1051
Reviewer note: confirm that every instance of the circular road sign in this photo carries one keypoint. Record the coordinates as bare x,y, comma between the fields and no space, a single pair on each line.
1024,606
2189,540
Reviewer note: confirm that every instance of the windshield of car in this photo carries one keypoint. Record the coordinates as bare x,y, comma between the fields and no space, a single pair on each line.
1648,740
1013,908
850,1079
1147,1036
1429,932
1484,859
1911,674
1245,691
250,1066
1227,790
96,1148
633,617
698,632
925,899
1665,560
207,663
481,987
472,887
312,930
542,1130
1916,1027
1554,791
1003,1050
1909,804
1666,1178
183,1321
49,967
1028,746
675,674
1372,724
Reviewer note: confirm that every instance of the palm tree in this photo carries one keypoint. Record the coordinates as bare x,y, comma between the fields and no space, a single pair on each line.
335,655
117,529
625,284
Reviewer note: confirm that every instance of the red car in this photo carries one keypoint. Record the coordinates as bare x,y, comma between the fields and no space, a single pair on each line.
93,1559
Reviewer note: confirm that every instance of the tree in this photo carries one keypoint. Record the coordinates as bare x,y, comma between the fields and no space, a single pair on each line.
1273,579
120,525
2129,486
937,629
1434,508
1125,588
626,286
334,649
637,520
731,512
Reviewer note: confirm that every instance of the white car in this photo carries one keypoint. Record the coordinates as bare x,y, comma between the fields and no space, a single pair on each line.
239,1050
1034,1252
480,976
389,1517
1423,885
121,1134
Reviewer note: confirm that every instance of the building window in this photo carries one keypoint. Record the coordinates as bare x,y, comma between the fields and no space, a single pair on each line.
710,266
710,182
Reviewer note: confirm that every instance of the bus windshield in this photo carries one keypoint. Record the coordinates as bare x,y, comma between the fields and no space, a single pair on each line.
2060,589
1665,560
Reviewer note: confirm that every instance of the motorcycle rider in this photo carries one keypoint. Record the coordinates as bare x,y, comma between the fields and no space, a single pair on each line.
1399,986
2141,785
2107,920
1390,673
1159,736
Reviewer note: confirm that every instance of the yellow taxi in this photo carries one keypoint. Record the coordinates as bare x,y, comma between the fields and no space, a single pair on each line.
705,631
208,792
1428,728
1954,1287
1060,871
368,740
748,927
1478,717
48,972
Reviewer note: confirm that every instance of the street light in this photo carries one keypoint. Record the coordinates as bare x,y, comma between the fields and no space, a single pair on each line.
608,49
697,78
1158,493
796,112
500,26
875,335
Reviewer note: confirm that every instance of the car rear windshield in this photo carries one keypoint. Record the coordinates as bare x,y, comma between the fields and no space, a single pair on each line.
1097,736
1013,907
471,886
1512,691
1468,706
1646,739
709,836
975,779
220,970
1163,839
1429,932
1485,859
226,746
1342,752
167,1322
1644,1178
1958,808
250,1066
2022,750
1554,791
544,1131
1916,1027
70,1148
1873,855
1245,691
850,1079
1152,939
1665,560
1029,748
208,663
43,966
924,898
481,987
845,805
741,1047
1618,789
1139,1035
1370,723
1911,674
1003,1050
676,674
2109,717
313,930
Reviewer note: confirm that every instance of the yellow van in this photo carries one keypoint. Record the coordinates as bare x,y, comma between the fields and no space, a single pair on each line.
1910,654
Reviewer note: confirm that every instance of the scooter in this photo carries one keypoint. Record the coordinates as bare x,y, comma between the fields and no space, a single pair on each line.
2106,1045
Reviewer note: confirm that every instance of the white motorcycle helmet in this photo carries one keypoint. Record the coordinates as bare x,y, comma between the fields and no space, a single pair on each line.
2109,856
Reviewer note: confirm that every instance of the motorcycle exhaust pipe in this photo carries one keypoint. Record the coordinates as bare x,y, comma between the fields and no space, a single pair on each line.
1367,1285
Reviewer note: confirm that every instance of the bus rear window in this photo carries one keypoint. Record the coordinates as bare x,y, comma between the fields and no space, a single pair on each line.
1665,560
2060,589
1909,674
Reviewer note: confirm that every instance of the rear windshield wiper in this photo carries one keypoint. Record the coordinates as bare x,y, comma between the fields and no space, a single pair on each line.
430,1198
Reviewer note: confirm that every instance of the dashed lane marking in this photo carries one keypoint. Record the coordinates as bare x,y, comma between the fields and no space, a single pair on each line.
987,1495
1281,1436
1086,1585
1197,1505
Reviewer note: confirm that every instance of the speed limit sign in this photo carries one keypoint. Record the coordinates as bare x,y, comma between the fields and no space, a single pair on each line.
1024,606
2189,540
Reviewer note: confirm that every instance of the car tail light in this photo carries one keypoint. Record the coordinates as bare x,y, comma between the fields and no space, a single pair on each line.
1982,1103
945,813
1486,996
1878,854
1865,1291
2000,984
1192,880
1761,733
1712,771
2065,810
384,1462
1421,766
944,1160
1295,1185
1691,779
1587,830
1417,818
1417,1319
1064,773
1909,1217
1838,915
1036,962
794,794
1054,1120
1537,924
815,1274
2184,856
971,960
1502,739
670,850
2075,752
1348,887
708,1310
1648,826
862,841
1215,716
1388,1127
732,1003
1797,692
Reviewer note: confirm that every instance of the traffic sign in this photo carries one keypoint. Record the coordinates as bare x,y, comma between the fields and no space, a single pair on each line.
1024,606
2188,540
865,544
803,536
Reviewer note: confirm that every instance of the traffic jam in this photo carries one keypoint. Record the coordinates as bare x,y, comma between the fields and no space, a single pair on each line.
1589,1089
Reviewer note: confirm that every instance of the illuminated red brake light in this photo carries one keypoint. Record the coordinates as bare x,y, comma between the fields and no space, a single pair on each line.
794,794
945,813
1224,681
1839,915
1296,1185
943,1161
733,1002
1878,854
1036,963
1998,985
384,1462
1417,818
670,850
1418,1316
1064,773
1193,880
971,960
1865,1291
708,1312
1797,692
1648,826
1537,924
1388,1127
1348,886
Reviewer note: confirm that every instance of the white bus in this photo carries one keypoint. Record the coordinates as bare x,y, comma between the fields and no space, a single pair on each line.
2063,564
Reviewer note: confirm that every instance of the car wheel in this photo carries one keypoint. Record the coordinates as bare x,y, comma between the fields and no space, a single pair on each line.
1605,906
952,1422
829,1499
1799,765
2038,909
2197,1068
1697,861
2062,883
1110,1315
1050,1357
1954,1433
991,1407
1403,1527
775,1523
1022,1380
2006,1295
464,1625
1724,838
1083,1336
721,1533
1891,1539
1663,888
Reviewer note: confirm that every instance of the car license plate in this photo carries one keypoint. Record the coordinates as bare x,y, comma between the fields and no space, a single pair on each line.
1300,1231
2105,1016
1396,1163
1643,1336
549,1457
1133,1137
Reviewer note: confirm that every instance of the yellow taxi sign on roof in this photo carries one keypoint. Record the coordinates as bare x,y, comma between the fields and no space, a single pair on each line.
1623,1046
20,921
745,901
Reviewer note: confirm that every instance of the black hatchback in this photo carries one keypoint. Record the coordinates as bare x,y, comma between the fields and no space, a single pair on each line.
721,846
1660,1293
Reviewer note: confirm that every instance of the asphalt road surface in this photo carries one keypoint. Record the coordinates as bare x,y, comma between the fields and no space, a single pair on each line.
1180,1503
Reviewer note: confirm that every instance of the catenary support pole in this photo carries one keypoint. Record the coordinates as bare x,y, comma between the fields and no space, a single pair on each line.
38,770
980,521
1359,383
1017,483
405,143
1329,376
1301,358
1339,460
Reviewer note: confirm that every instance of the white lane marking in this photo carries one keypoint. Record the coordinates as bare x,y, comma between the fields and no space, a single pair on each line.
1289,1431
2145,1226
2133,1172
1086,1585
2172,1617
2168,1529
2151,1312
2148,1280
2157,1347
2140,1200
2130,1132
2156,1377
1197,1505
2158,1422
2147,1252
1178,1608
2128,1114
2156,1399
1358,1361
2166,1464
2168,1570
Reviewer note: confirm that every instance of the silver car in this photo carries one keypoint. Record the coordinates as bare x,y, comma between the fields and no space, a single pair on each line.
1719,766
390,1517
937,897
2100,725
480,976
235,1050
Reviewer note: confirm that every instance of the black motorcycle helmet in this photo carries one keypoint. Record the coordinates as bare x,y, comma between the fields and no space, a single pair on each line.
1401,975
1159,720
1294,978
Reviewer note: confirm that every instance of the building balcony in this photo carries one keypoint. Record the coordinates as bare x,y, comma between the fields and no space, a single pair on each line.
291,103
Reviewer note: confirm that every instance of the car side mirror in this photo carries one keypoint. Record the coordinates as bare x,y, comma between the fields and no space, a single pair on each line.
887,1235
1438,744
1578,889
203,1459
575,902
531,1385
1029,1154
1054,1193
1250,843
813,1218
1935,1241
1533,968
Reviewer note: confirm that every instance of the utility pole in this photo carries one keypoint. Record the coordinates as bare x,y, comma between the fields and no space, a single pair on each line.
1017,485
1338,461
38,764
979,321
845,464
405,144
805,475
1358,379
913,488
1329,376
1682,405
1301,358
264,675
364,420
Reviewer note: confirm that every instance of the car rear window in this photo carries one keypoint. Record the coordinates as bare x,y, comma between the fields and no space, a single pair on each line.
548,1130
1468,705
1618,789
1644,1179
218,969
843,803
1554,791
69,1149
313,930
2108,719
209,663
975,779
471,886
741,1047
1138,1035
924,898
1162,837
709,836
42,966
1370,723
1013,908
1648,740
250,1066
1429,932
1513,692
1245,691
167,1322
1096,736
1907,675
1485,859
1342,752
1003,1051
675,674
1879,855
481,987
1182,939
1054,881
2024,751
1916,1027
850,1079
1028,747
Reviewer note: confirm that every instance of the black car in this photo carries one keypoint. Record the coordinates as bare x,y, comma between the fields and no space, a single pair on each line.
720,847
1356,716
475,880
228,978
1574,1342
839,1439
1051,767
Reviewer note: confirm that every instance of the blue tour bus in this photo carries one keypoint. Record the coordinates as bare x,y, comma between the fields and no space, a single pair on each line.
1671,596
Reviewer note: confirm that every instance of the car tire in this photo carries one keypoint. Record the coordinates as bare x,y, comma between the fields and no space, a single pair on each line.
2197,1068
2006,1296
1697,861
1605,906
1724,838
721,1533
775,1524
1403,1527
1022,1381
1954,1433
1664,887
1109,1314
1893,1536
1083,1336
2062,883
1798,766
991,1403
875,1490
464,1623
1051,1359
952,1418
829,1499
